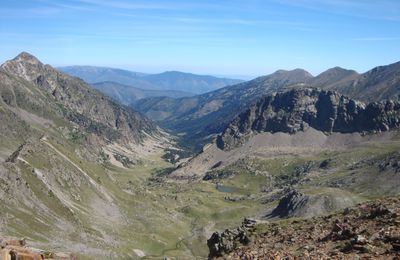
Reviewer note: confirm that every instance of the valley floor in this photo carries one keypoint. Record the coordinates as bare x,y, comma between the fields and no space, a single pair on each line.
139,212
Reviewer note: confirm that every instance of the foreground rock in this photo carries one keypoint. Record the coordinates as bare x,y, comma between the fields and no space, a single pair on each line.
227,241
369,231
17,249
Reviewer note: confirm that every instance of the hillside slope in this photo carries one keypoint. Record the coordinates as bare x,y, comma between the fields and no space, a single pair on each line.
60,141
71,99
380,83
332,77
74,162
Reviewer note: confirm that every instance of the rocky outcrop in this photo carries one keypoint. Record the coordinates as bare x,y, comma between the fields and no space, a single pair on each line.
17,249
298,109
228,240
390,162
298,204
290,204
370,230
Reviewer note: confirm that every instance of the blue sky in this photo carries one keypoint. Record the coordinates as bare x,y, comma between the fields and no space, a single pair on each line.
220,37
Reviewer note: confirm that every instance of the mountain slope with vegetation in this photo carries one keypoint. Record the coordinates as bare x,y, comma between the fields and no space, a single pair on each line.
74,162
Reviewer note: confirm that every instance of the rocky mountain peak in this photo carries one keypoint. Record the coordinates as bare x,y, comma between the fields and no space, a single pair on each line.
81,104
27,57
25,65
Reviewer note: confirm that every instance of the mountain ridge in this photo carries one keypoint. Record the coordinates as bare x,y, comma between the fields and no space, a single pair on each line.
128,95
298,109
83,104
168,80
204,116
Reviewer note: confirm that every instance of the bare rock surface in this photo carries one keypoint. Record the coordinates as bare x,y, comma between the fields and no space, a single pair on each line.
370,230
299,109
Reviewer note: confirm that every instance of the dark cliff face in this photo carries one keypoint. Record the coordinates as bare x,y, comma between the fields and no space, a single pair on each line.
298,109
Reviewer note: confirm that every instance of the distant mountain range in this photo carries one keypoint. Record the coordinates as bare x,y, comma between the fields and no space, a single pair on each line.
169,80
128,95
202,116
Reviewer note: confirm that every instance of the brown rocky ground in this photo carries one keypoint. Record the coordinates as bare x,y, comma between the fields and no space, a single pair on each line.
17,249
370,230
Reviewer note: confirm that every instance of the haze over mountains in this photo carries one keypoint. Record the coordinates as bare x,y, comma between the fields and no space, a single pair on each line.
128,95
187,83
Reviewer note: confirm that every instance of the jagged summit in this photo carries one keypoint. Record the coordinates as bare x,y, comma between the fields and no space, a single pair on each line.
24,65
26,56
22,59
